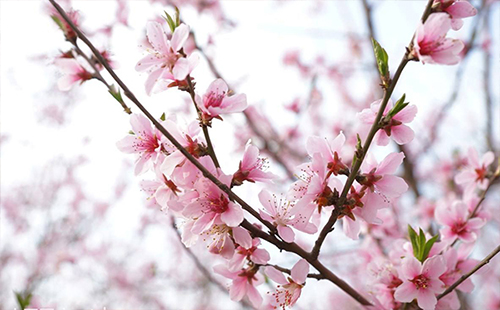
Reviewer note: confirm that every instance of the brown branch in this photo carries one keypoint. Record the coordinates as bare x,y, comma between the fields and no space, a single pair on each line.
408,163
316,276
487,87
211,151
256,232
485,261
373,130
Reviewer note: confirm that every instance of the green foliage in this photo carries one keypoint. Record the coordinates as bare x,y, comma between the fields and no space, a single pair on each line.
173,22
421,246
400,105
23,299
382,61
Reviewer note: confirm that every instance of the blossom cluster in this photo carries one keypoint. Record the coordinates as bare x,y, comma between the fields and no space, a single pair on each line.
328,184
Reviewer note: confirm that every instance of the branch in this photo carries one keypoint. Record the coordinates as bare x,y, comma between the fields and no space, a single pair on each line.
485,261
408,163
373,130
486,86
316,276
211,151
290,247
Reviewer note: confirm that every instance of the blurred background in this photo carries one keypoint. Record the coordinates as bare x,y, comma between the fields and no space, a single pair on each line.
77,232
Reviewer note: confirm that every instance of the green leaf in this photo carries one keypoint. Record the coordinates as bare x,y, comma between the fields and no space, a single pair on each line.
414,241
163,117
115,92
177,17
23,299
428,247
400,105
57,21
382,60
170,22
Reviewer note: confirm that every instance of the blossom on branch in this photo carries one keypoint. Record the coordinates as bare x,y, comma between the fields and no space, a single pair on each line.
165,60
431,45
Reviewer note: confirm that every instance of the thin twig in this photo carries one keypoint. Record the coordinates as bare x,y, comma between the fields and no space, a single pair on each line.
316,276
487,87
485,261
375,127
256,232
408,164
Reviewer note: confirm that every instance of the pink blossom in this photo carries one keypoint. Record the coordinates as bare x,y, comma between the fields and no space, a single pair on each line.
379,178
244,283
431,45
216,101
394,128
212,205
421,281
252,167
330,151
282,214
476,172
162,190
250,252
457,9
289,289
165,60
145,141
220,239
72,71
456,224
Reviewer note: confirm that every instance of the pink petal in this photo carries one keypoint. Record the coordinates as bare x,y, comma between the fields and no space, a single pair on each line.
426,299
275,275
407,114
152,80
218,87
126,144
488,159
223,271
406,292
147,62
286,233
436,26
351,228
391,186
410,267
242,237
179,37
181,69
266,200
465,177
236,103
402,134
461,9
434,267
260,256
157,37
250,156
390,163
254,296
65,83
233,215
238,289
300,271
381,138
203,223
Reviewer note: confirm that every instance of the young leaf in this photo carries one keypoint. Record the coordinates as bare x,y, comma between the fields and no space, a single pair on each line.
400,105
414,241
428,247
382,61
170,22
163,116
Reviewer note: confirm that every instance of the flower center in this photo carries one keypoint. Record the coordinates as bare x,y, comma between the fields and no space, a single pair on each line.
214,100
219,205
420,282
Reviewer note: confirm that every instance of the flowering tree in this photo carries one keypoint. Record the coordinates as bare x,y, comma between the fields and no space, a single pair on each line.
356,178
